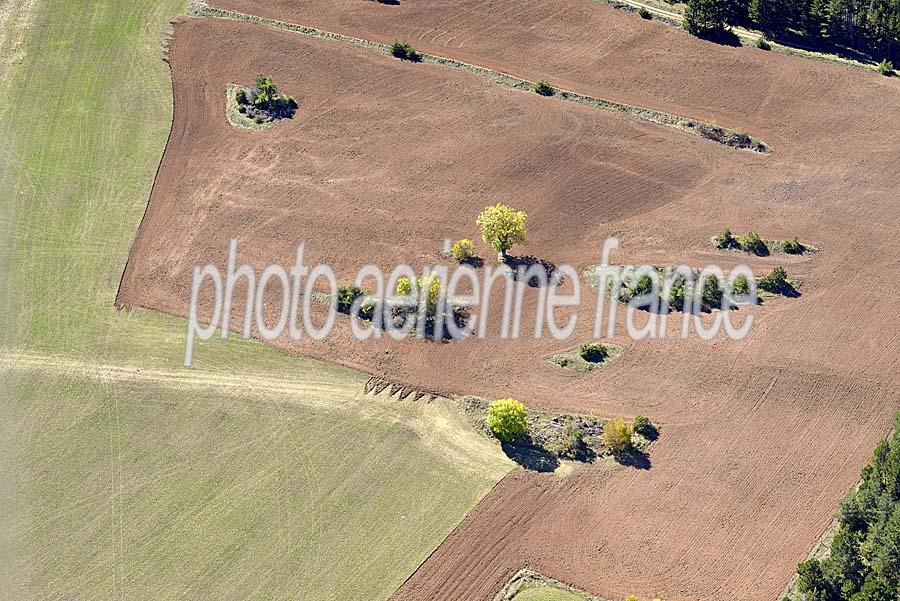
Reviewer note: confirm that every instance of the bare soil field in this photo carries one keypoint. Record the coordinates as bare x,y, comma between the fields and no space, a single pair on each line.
384,159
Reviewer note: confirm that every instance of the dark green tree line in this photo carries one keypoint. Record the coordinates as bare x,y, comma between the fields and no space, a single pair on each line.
871,27
864,564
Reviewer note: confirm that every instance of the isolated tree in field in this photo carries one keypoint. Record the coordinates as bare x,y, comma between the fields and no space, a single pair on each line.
706,17
501,227
617,435
507,419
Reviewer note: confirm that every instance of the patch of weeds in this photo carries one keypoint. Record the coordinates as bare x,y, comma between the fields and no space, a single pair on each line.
543,88
404,52
763,44
886,68
587,357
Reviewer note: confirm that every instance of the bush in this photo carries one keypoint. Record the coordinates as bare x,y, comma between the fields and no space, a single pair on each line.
241,96
593,352
507,419
725,239
463,250
645,14
404,52
763,44
501,227
346,296
617,435
543,88
793,247
775,282
644,427
753,243
571,444
740,285
886,68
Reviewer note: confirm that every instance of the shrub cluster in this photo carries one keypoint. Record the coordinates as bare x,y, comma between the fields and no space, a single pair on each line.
264,102
645,14
404,52
463,250
864,562
644,427
593,352
617,436
543,88
776,282
753,243
507,419
793,247
725,239
886,67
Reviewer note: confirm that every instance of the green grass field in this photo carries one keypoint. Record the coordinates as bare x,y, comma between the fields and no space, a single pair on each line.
255,475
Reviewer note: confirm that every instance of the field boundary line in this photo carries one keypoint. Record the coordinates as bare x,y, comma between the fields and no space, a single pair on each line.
199,8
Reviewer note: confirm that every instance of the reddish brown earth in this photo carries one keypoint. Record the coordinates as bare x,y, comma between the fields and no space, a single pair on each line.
384,159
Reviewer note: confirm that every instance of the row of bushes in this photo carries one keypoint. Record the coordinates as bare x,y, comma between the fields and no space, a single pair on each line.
753,243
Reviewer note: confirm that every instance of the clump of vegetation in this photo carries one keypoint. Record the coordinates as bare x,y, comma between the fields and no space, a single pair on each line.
617,436
463,250
886,67
725,239
793,247
642,426
777,282
404,52
593,352
645,14
346,296
501,227
264,102
864,562
753,243
507,419
430,289
544,88
706,18
763,44
740,285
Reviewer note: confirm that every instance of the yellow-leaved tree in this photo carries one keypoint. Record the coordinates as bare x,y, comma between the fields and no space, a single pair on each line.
501,227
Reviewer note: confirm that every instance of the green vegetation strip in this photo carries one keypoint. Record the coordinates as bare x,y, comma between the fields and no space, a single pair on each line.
725,136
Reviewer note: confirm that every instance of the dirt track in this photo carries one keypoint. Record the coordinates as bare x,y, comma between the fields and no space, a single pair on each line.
760,438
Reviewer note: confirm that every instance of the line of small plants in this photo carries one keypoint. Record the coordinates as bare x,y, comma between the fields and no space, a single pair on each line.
540,439
404,51
754,244
681,294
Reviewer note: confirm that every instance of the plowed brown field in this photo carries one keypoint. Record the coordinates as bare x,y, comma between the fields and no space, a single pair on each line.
384,159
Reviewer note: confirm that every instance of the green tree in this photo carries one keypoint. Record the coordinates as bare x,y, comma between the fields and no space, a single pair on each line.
507,419
704,18
501,227
769,15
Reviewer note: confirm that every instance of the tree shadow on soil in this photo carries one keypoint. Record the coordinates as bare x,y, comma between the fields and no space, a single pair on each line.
535,272
724,37
473,262
530,456
633,457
